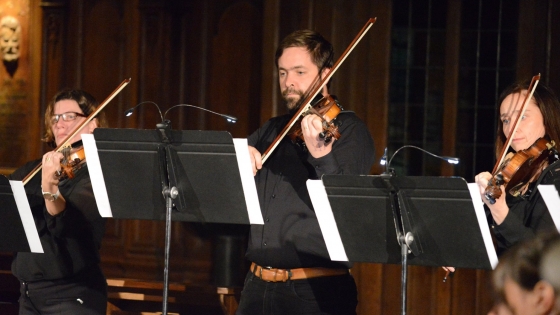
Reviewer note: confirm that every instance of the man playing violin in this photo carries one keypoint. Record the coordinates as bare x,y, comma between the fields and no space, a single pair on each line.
514,218
291,272
66,278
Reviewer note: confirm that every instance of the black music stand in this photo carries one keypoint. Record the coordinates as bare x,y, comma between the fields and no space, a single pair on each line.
197,171
386,219
18,232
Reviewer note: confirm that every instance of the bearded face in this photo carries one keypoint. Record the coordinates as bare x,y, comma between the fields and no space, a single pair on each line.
10,36
292,97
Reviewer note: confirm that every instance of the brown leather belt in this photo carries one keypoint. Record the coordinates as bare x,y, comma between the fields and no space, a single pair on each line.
282,275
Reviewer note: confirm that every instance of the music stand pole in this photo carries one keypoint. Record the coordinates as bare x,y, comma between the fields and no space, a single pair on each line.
405,242
169,194
401,220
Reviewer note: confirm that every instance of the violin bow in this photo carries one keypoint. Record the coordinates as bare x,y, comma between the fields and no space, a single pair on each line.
531,89
80,127
317,88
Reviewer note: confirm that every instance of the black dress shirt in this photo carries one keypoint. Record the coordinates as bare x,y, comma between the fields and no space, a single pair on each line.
291,237
71,240
528,214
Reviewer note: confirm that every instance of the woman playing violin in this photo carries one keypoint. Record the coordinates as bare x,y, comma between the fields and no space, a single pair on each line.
67,277
514,218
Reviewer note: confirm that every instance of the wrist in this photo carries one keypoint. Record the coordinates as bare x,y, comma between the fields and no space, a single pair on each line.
49,196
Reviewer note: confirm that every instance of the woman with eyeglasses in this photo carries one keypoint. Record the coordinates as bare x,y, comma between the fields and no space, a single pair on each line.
67,278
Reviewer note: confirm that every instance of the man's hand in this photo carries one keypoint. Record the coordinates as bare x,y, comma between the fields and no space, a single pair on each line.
256,160
311,127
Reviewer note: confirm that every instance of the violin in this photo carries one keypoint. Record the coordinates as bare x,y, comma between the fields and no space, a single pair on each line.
520,169
327,108
306,108
72,161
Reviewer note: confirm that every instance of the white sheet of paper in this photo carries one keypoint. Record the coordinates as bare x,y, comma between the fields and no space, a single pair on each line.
484,229
552,200
326,220
248,181
26,216
96,175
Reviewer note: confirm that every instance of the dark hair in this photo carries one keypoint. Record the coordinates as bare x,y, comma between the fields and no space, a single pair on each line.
521,263
548,105
87,104
549,267
321,50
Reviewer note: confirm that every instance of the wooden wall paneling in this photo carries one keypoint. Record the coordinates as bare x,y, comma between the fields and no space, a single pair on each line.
35,120
450,95
420,288
531,41
152,80
525,39
391,291
321,17
270,90
464,292
484,293
369,281
380,295
235,78
378,79
120,59
103,54
129,55
295,15
441,293
74,45
554,52
190,46
191,253
541,30
113,248
144,240
53,52
340,29
144,247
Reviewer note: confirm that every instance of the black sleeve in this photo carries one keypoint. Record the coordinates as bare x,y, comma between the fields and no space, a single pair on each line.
80,213
352,154
527,217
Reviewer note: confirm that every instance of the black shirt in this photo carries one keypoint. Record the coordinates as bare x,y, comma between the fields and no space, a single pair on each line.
291,237
71,240
528,214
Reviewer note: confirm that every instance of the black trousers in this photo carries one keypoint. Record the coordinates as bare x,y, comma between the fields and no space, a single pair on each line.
84,294
323,295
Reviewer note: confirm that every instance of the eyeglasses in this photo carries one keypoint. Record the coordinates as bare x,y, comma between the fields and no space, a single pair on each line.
69,116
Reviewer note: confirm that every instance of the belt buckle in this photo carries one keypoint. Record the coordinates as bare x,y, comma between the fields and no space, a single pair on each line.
285,274
266,268
261,271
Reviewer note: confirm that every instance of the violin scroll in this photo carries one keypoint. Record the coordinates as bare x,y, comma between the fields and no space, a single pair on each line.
493,190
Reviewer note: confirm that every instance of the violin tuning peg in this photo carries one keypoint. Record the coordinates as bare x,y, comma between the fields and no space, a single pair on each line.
499,179
490,199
